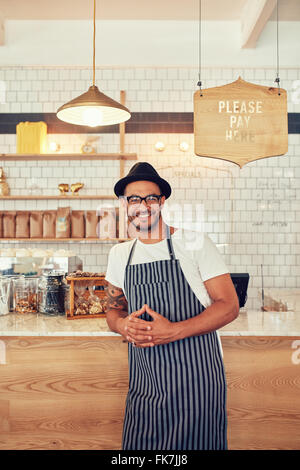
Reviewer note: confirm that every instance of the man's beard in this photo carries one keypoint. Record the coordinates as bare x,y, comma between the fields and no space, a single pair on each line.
144,228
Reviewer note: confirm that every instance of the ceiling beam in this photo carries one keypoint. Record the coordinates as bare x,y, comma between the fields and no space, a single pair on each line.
254,18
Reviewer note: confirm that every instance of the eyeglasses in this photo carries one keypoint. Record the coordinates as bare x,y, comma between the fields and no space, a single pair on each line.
150,199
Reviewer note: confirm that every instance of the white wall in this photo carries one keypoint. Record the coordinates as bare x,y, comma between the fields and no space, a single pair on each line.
145,43
252,214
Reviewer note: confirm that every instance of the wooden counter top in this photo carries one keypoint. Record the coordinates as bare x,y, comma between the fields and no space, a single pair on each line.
251,323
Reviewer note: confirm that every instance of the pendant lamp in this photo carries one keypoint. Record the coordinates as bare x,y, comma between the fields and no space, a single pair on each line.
93,108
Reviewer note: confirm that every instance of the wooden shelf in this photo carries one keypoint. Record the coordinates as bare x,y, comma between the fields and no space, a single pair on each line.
74,198
62,240
85,317
69,156
87,278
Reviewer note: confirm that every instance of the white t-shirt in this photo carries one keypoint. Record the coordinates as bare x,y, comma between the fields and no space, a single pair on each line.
199,259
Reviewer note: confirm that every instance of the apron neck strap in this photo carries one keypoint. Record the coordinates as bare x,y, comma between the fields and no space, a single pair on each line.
131,252
170,244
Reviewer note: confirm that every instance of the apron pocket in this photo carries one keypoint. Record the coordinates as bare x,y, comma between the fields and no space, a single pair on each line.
155,294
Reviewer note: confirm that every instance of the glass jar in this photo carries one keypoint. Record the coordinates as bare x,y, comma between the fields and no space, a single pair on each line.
66,297
4,295
51,301
11,277
25,294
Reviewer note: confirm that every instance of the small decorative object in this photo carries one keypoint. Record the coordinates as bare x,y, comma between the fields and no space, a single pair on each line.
88,148
31,137
64,188
76,187
4,188
54,147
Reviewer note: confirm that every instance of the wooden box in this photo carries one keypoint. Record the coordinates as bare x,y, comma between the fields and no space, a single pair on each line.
101,294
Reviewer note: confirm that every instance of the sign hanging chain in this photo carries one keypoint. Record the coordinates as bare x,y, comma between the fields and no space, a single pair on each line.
199,84
277,79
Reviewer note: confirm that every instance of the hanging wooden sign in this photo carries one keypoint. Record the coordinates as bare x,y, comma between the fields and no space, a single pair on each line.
240,122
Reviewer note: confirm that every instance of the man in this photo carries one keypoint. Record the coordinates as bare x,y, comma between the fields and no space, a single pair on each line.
168,299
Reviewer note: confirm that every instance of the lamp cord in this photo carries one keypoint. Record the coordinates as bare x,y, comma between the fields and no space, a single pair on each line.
94,40
277,79
199,84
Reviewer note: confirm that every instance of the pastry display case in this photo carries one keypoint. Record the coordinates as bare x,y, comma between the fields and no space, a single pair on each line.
85,296
37,261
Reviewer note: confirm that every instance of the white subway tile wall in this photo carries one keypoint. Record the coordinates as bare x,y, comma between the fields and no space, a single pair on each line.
252,214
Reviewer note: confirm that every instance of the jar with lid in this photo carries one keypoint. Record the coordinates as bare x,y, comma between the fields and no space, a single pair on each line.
50,293
4,295
66,297
11,277
25,294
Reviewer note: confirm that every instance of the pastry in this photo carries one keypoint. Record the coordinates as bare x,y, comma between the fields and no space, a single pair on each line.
96,308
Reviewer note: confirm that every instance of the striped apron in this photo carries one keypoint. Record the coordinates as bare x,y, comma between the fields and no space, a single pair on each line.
177,391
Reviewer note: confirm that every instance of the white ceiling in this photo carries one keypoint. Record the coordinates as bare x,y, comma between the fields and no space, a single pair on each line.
212,10
235,32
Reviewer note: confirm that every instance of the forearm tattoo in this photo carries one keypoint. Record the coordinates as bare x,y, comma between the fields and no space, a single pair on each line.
116,298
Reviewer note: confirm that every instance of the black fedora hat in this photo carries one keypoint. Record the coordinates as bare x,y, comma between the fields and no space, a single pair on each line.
143,171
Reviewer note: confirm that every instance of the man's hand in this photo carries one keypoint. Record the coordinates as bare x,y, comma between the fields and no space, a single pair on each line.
118,319
144,334
142,326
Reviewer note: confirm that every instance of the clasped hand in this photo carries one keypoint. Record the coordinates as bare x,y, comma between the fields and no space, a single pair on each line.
144,333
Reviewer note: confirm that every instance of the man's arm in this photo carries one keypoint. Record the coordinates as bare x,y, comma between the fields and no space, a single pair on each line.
117,307
223,310
117,315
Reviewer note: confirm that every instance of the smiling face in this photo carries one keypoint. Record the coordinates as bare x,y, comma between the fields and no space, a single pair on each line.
142,216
